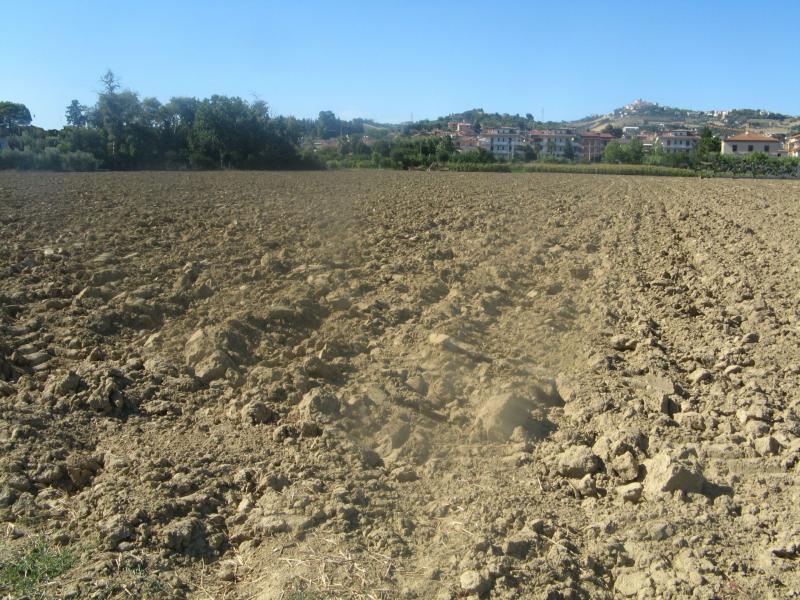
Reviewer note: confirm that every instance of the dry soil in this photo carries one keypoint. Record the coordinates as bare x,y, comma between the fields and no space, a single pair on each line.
401,385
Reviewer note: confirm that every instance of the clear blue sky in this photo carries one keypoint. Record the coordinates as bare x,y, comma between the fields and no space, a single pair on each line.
388,59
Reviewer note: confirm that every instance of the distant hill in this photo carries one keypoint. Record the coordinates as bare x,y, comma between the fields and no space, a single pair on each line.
481,118
649,116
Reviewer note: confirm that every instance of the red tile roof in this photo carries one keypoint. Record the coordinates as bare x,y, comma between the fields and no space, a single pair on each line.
749,136
597,135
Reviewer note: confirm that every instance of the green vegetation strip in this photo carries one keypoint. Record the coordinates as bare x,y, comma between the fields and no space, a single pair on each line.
606,169
24,573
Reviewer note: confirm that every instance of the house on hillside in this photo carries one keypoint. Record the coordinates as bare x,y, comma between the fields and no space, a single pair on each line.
460,128
793,145
648,141
750,142
630,131
593,144
466,143
678,140
332,143
504,142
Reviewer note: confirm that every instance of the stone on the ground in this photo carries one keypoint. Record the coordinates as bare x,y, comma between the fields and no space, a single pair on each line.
626,466
213,367
418,384
690,420
622,342
586,486
520,543
257,412
631,584
766,445
272,525
577,461
313,366
630,492
499,414
700,375
209,362
472,582
320,404
666,474
63,384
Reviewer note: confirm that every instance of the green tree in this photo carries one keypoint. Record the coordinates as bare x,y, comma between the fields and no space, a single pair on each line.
110,82
708,143
13,116
230,132
328,126
83,139
116,112
634,151
614,153
381,148
528,153
177,122
222,131
76,114
446,144
615,131
569,150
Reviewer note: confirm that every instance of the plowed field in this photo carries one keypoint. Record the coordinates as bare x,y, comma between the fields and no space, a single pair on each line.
399,385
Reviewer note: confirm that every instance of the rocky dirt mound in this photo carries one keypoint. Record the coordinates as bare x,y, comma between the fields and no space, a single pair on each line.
399,385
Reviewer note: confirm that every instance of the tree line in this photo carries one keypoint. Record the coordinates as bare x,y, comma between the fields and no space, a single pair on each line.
123,131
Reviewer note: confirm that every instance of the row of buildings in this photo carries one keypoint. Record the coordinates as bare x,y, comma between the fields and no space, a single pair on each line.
508,143
749,142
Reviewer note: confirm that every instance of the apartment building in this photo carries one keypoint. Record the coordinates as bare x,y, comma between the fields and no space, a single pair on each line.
750,142
504,142
678,140
593,144
793,145
554,142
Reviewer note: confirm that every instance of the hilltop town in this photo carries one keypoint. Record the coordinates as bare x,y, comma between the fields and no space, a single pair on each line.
507,143
666,129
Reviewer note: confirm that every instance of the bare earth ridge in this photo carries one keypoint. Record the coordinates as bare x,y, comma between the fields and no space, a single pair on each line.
401,385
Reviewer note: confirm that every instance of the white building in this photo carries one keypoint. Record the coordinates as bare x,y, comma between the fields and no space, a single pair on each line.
793,145
503,142
554,142
749,143
678,140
